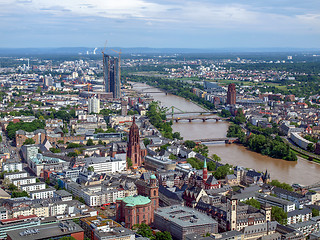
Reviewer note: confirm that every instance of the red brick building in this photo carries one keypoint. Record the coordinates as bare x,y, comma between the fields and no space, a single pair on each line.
135,152
148,186
134,210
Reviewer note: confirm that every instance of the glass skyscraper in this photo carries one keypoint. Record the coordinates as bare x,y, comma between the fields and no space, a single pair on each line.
111,75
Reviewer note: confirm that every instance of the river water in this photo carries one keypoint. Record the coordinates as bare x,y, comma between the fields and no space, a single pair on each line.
302,171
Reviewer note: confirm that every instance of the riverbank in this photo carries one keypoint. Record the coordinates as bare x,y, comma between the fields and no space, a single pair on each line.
302,171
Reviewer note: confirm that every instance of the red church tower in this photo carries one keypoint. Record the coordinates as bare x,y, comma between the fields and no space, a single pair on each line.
134,151
205,171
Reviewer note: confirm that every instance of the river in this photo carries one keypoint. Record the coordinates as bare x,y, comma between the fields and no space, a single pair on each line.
302,171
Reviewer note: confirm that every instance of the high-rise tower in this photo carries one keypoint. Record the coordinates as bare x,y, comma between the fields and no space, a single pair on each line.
134,151
231,94
111,75
205,171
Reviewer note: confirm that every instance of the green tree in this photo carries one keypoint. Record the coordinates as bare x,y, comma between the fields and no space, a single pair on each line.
12,187
29,141
72,154
279,215
90,169
129,162
253,202
311,147
90,142
216,158
146,141
211,166
19,194
315,212
55,150
189,144
144,230
173,157
285,186
67,238
162,236
201,149
223,171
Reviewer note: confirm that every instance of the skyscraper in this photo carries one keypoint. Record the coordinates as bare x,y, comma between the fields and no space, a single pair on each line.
231,94
111,75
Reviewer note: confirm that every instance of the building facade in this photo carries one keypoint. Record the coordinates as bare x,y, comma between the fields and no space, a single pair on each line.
231,94
111,75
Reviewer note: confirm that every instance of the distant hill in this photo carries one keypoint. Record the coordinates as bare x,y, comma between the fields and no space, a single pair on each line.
140,50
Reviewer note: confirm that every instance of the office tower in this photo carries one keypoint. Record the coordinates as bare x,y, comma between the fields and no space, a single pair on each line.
93,105
231,94
111,75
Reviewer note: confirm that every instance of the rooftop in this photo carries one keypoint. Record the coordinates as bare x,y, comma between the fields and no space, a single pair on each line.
184,216
46,231
136,200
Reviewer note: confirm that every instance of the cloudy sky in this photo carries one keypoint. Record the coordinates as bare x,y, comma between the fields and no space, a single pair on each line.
160,23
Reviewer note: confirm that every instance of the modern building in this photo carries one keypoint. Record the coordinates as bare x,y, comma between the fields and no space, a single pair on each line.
111,75
48,231
231,94
94,105
181,221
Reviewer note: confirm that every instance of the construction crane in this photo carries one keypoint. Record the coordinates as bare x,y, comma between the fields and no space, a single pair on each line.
119,52
104,48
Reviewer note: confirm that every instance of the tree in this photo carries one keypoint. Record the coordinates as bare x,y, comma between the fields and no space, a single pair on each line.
173,157
163,236
223,171
281,185
146,141
315,212
189,144
67,238
216,158
19,194
176,135
211,166
279,215
144,230
201,149
29,141
310,147
129,162
55,150
253,202
72,154
90,169
12,187
90,142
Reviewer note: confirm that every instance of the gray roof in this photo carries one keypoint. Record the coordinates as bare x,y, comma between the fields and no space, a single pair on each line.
184,216
46,231
296,212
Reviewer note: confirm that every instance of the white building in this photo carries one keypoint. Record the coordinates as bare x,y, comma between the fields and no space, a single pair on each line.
94,105
11,166
42,194
23,181
33,187
106,164
15,175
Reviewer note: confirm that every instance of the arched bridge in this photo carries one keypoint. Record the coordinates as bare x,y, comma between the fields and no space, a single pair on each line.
224,139
201,117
